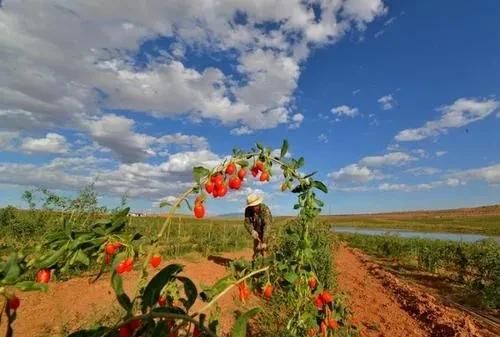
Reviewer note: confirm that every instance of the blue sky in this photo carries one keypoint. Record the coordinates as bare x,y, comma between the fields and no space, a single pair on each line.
394,103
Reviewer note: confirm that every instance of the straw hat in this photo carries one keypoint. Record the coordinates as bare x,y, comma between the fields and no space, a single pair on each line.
254,199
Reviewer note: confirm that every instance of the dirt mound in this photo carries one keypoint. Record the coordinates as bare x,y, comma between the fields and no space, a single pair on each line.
438,319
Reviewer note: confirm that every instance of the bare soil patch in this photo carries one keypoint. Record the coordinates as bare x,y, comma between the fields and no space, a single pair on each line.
76,303
387,306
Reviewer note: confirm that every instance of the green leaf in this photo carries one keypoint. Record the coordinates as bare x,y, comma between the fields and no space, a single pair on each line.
291,277
98,332
259,146
53,258
320,186
118,221
240,326
190,291
31,286
117,284
164,203
169,310
161,330
81,257
284,148
11,270
298,189
310,175
155,286
199,172
209,293
300,162
242,163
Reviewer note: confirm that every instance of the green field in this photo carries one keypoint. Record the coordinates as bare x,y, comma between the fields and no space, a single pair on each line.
452,221
22,229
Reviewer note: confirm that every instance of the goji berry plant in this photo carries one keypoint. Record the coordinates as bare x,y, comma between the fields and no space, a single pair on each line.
162,305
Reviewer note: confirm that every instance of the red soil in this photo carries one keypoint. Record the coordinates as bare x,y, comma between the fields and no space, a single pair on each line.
386,306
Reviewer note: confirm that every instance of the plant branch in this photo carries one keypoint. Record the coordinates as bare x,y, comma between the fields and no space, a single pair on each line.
160,315
216,298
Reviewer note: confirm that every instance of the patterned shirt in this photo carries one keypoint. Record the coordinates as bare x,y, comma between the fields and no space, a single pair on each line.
257,219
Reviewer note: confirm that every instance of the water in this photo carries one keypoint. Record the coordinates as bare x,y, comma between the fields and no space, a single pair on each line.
414,234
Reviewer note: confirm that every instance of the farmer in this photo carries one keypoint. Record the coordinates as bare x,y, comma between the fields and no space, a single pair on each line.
258,219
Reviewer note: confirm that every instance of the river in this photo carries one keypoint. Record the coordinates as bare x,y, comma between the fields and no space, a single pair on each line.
465,237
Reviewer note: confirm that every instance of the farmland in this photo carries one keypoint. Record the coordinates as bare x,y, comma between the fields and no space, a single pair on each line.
479,220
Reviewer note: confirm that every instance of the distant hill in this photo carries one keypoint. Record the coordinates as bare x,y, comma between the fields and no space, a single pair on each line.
237,215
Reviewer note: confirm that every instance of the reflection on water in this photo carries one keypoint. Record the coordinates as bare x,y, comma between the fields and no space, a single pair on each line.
414,234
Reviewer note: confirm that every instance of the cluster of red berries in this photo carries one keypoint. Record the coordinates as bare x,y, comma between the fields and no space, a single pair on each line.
155,260
267,293
43,275
260,168
232,178
126,265
322,303
110,250
244,291
129,329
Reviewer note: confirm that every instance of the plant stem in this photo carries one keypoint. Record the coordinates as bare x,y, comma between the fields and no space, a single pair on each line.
216,298
155,241
161,315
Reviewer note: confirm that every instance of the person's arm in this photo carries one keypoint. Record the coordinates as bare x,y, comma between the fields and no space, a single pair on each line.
267,217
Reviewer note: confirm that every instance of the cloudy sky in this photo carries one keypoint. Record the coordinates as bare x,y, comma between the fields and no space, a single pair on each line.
396,104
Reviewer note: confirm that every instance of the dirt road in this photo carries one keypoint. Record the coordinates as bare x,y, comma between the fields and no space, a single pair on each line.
385,306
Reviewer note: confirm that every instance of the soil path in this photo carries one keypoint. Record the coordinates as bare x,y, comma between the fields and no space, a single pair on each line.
374,308
74,304
385,306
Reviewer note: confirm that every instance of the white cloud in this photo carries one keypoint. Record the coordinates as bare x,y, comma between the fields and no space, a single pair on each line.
137,180
460,113
354,173
488,174
242,130
356,91
52,143
53,77
296,121
345,110
185,161
423,170
440,153
386,102
185,141
389,159
116,133
323,138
